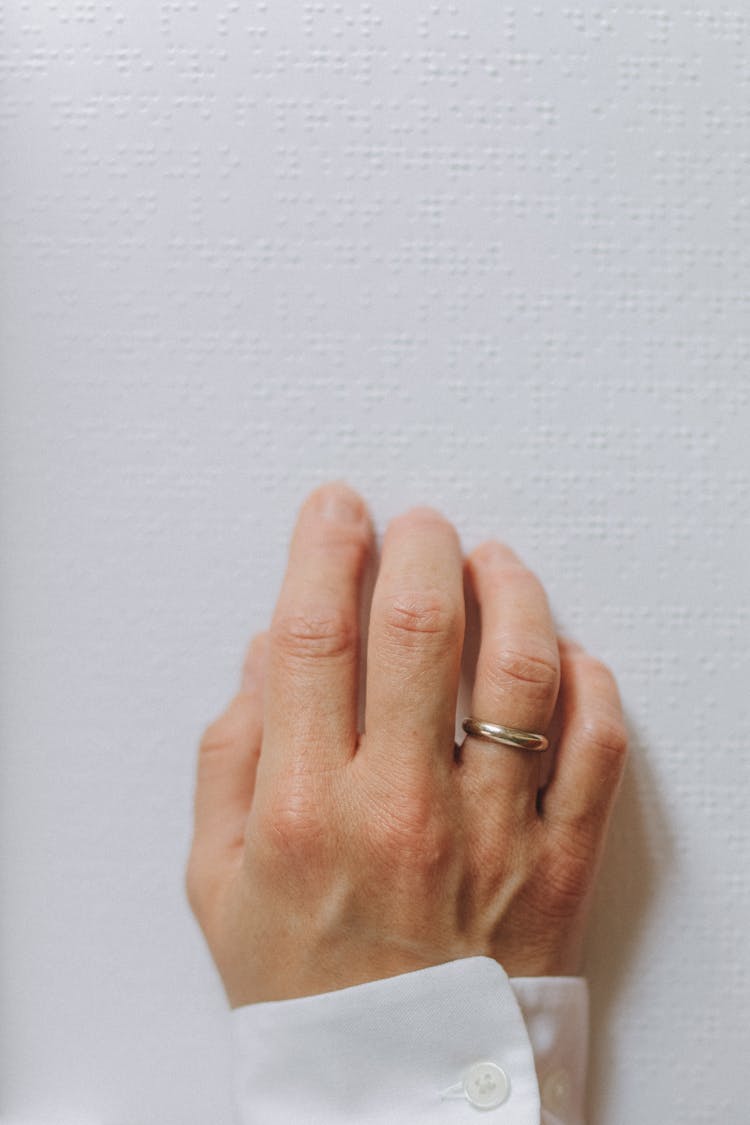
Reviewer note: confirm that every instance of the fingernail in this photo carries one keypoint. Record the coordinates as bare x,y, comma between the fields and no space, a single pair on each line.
495,554
341,507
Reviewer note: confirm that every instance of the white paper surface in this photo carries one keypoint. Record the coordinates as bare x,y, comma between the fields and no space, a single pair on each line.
488,257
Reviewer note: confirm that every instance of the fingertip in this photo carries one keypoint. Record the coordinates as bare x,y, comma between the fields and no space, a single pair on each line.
420,514
493,553
338,502
424,512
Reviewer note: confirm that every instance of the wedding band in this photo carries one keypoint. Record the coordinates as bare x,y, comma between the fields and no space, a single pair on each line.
506,736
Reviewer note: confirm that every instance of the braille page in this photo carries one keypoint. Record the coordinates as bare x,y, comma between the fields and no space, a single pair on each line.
490,257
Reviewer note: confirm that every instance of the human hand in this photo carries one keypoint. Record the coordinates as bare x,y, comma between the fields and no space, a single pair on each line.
323,858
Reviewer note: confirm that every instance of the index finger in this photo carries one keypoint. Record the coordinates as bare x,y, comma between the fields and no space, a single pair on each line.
313,656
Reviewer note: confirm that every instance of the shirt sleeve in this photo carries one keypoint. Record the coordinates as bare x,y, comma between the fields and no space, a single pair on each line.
454,1043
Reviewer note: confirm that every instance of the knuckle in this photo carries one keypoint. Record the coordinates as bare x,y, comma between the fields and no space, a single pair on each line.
609,682
229,729
314,635
292,821
217,737
536,669
569,871
414,617
408,831
607,737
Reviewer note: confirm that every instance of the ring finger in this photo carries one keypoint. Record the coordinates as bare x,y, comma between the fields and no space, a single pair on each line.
517,675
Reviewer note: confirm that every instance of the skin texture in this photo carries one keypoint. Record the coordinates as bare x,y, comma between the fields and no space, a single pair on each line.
323,858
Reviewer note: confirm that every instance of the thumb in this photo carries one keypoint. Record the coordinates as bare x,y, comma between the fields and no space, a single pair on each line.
226,769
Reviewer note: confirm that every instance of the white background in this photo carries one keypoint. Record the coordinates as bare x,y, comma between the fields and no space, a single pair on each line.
490,257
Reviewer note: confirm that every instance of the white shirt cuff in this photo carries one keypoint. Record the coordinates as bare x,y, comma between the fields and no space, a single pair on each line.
457,1042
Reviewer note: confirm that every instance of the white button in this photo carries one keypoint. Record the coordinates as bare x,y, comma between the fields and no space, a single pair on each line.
556,1091
486,1085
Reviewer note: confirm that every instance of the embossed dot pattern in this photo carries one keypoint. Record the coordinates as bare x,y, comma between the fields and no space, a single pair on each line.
493,257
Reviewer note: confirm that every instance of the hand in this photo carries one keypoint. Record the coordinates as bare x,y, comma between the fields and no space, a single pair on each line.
323,858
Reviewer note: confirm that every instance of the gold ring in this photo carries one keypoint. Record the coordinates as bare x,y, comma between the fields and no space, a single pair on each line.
505,736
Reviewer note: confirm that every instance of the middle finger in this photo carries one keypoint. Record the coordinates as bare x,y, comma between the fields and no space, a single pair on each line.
415,639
